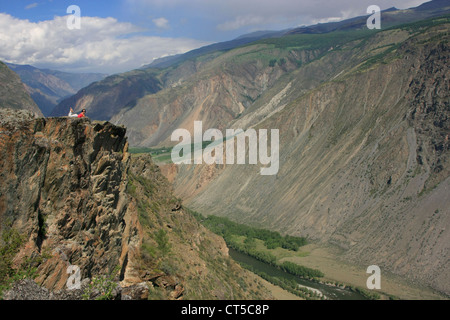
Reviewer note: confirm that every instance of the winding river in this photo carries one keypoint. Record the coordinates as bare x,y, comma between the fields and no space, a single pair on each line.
333,293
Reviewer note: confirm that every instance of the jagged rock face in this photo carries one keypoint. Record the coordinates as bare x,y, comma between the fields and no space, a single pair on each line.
63,184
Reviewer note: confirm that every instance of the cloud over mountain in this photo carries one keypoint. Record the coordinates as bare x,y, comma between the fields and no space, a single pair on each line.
100,45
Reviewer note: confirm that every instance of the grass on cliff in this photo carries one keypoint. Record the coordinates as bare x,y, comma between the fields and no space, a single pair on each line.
10,244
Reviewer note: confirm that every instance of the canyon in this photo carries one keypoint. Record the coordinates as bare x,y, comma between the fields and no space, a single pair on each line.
363,118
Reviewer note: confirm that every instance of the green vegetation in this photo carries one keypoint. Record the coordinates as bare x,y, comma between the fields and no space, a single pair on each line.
102,286
384,57
233,233
227,228
244,239
134,182
163,242
300,271
370,295
10,244
159,155
338,38
423,24
162,154
288,285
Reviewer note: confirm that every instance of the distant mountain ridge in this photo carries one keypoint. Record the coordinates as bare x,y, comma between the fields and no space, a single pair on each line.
220,46
105,99
389,17
47,87
13,93
172,70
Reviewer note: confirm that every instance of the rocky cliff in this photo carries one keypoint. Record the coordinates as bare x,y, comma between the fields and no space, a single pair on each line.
72,192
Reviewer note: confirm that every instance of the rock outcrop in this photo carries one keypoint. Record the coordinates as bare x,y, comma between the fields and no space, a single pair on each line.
63,184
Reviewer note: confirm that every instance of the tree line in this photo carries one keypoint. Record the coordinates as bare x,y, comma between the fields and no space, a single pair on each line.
272,239
229,230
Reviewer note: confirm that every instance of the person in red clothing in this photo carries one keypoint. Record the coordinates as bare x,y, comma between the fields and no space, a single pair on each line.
82,114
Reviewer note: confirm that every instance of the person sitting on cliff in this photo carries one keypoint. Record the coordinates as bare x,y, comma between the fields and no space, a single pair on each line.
74,115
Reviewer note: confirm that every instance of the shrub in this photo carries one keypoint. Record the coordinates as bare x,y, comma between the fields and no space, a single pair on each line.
10,244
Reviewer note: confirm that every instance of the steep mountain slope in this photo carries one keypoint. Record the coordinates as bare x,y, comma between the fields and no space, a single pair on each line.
106,98
48,87
220,91
13,94
364,156
70,194
221,46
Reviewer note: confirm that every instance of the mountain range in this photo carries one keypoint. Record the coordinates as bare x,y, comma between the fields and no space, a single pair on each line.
48,87
13,93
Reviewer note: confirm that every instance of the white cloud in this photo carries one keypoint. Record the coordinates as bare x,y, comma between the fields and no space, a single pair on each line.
161,23
101,45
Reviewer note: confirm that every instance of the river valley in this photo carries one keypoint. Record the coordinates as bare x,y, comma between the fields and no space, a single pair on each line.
330,292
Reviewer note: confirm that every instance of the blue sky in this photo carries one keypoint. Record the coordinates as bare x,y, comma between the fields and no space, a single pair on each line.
120,35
